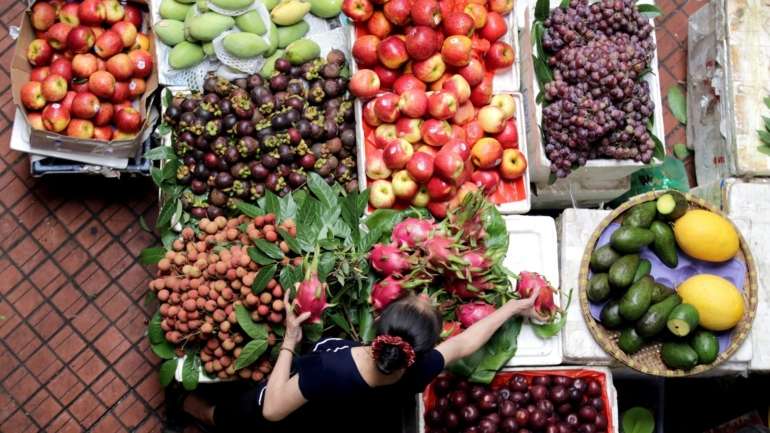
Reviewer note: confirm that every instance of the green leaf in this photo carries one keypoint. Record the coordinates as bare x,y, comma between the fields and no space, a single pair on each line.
564,4
658,153
552,178
351,215
638,420
340,321
767,101
540,97
482,365
167,97
326,264
649,10
288,208
677,103
270,249
764,149
163,350
289,276
542,10
263,277
161,152
143,224
537,38
383,219
258,257
154,331
251,329
167,371
366,324
644,73
169,169
767,122
542,72
151,255
290,241
248,209
340,229
164,128
157,176
313,331
250,353
272,204
167,237
764,136
497,234
164,219
681,151
322,190
191,371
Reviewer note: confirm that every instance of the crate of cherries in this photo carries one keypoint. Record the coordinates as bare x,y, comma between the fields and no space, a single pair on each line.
532,401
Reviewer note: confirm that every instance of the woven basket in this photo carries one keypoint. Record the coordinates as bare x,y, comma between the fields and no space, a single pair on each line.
648,359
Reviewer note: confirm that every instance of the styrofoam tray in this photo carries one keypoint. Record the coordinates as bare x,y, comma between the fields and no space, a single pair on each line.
532,246
600,169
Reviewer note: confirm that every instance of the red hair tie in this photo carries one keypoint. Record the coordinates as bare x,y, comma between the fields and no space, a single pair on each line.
393,340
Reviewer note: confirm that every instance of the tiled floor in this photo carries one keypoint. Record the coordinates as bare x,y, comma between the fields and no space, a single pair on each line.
73,356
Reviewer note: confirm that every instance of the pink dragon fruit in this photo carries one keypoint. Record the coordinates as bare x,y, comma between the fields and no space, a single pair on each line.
438,250
468,314
529,281
311,293
544,303
384,292
411,232
478,263
460,288
389,260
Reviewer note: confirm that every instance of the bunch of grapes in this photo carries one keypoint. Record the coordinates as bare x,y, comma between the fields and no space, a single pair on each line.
597,105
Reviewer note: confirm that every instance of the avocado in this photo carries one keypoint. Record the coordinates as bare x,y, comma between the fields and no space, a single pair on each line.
621,273
682,320
629,341
602,258
628,240
660,292
598,288
637,299
664,245
610,315
671,205
643,269
654,320
678,355
641,215
705,344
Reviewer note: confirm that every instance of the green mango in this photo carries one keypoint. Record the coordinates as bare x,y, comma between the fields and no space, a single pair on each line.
269,67
232,5
302,50
289,34
185,55
189,2
244,45
272,36
207,26
325,8
203,6
170,32
173,10
208,48
270,4
251,22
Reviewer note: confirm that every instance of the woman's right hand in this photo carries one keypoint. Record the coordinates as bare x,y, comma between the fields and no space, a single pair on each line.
293,333
525,307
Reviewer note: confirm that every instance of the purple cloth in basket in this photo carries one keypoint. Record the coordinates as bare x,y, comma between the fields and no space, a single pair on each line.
733,270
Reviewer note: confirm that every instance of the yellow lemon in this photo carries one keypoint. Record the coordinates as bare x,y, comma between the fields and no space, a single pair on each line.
706,236
719,303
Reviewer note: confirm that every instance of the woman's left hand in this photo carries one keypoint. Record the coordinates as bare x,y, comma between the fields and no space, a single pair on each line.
293,333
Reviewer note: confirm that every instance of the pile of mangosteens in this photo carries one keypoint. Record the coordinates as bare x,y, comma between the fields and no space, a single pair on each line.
545,403
239,138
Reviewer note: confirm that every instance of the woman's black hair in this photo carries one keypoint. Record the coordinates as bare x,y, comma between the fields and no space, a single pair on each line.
413,321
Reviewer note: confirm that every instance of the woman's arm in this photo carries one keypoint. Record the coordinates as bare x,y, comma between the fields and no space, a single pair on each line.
283,396
471,340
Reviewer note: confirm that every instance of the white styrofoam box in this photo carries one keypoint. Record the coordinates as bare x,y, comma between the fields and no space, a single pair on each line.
532,247
566,193
598,169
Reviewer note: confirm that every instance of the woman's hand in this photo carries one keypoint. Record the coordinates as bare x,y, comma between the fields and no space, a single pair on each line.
293,333
526,306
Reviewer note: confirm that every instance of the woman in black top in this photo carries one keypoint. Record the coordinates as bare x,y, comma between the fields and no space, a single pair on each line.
343,386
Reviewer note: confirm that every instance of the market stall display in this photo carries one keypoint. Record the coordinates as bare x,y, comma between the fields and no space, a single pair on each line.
668,300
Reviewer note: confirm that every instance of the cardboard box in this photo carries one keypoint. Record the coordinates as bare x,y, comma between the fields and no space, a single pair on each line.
42,139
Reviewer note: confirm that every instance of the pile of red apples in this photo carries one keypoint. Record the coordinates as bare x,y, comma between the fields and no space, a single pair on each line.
435,131
90,63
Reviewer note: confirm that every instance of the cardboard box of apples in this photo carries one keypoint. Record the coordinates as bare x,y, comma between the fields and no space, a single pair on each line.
431,129
83,73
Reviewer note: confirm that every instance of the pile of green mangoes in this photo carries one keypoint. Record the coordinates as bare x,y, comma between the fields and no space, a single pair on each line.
191,34
642,309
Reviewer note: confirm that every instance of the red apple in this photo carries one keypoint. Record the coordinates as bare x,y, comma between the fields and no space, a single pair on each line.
409,129
54,88
420,167
101,65
478,13
39,73
459,23
430,69
120,135
465,113
120,66
104,115
386,107
397,11
491,119
79,85
448,165
102,84
387,76
514,164
128,120
473,72
505,103
43,16
127,32
370,117
422,197
133,15
97,31
357,10
364,84
456,50
39,52
365,50
392,52
113,12
85,105
426,13
121,93
458,146
509,136
35,120
487,153
62,67
442,105
69,14
488,180
481,94
142,43
494,28
375,165
500,6
459,87
421,42
473,131
68,99
32,95
57,35
91,12
439,84
439,189
413,103
438,208
55,117
404,187
378,25
384,135
142,63
80,128
425,148
103,133
397,153
136,87
499,56
465,189
408,82
108,44
83,65
381,194
436,132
